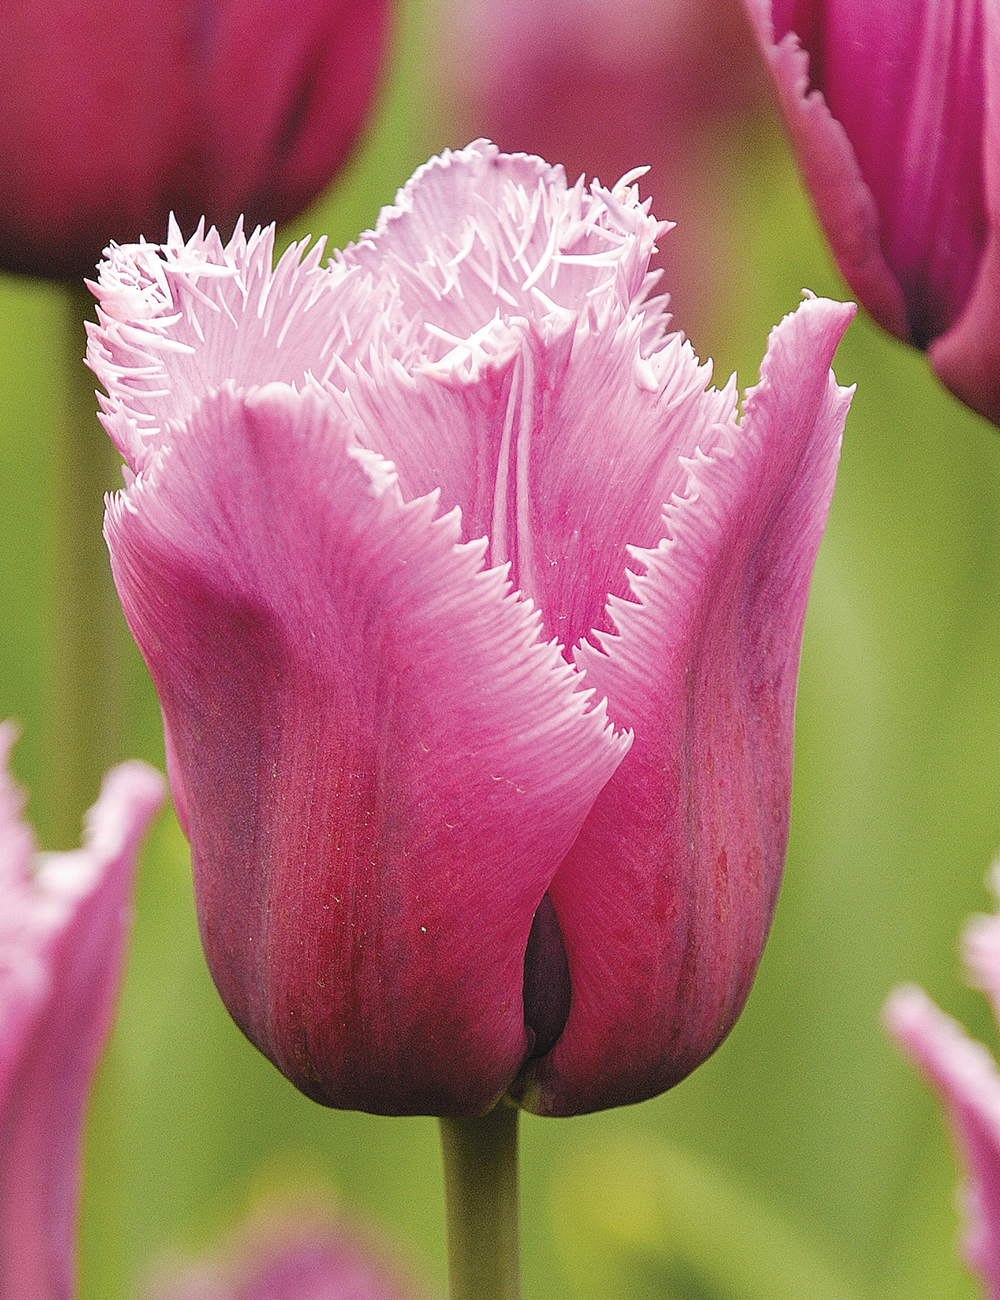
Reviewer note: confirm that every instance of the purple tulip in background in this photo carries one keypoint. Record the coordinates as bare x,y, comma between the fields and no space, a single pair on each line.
966,1079
599,85
475,620
894,112
113,115
64,919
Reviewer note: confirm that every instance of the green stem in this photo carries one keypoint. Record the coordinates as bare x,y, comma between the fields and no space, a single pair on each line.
87,709
480,1174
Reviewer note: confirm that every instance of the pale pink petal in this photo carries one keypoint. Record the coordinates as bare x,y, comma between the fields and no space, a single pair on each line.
474,233
966,1079
981,950
531,296
381,764
63,926
525,441
665,899
178,321
301,75
843,199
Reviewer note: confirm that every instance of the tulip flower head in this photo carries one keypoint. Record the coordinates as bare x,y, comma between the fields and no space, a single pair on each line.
63,925
475,620
894,112
966,1080
115,115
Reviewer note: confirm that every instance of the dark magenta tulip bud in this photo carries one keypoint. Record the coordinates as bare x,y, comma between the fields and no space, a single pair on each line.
475,618
894,112
113,115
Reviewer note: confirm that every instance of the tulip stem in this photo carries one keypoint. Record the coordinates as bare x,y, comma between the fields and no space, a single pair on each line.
480,1173
86,707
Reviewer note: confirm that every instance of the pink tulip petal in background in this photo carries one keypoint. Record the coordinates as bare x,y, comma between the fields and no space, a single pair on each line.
844,202
63,925
302,74
967,357
894,113
981,951
966,1079
288,1250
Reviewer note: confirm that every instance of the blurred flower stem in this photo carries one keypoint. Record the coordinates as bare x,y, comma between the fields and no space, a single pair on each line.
87,706
480,1175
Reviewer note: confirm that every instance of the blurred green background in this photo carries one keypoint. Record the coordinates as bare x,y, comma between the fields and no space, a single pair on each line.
804,1159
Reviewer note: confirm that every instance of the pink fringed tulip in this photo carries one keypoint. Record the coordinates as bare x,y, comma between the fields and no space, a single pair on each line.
482,749
115,114
894,111
63,926
966,1079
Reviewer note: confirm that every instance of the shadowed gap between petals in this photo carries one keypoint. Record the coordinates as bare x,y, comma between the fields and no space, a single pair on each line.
547,985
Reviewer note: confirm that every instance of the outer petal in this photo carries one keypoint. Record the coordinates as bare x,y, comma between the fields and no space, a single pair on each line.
178,321
666,897
844,202
966,1080
62,936
381,765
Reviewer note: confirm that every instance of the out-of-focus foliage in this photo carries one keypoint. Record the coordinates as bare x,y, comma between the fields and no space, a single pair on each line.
806,1117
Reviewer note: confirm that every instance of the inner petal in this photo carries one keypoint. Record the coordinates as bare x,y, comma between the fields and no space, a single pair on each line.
562,453
526,377
475,233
